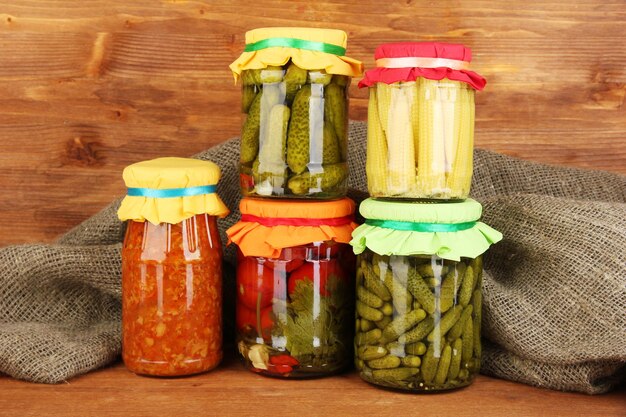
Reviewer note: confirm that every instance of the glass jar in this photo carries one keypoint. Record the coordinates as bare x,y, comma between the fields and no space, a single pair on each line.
295,287
294,138
418,321
421,121
294,312
171,268
172,297
419,299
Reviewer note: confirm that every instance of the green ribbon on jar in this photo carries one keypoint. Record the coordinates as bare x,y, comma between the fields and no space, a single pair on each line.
420,227
295,43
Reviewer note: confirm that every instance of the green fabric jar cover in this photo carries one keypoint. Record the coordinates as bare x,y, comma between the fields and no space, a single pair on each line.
448,230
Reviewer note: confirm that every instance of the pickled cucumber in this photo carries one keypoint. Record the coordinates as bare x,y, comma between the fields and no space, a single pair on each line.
450,286
418,349
430,364
366,325
251,77
416,285
382,323
295,78
401,298
387,309
331,153
411,361
248,94
368,297
271,74
447,321
367,353
298,138
367,312
468,341
319,77
373,283
385,362
368,338
457,329
250,132
329,179
396,349
444,365
419,332
467,287
397,374
336,112
455,362
270,171
402,324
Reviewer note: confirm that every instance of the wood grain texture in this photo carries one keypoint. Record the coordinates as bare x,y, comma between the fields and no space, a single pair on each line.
230,390
89,86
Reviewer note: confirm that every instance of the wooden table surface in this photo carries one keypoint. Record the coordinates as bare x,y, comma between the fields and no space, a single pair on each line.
90,86
231,390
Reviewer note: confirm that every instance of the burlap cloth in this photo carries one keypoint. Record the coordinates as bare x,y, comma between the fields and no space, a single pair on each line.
554,289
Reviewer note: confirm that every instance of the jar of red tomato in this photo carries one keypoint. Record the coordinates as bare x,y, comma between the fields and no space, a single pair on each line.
295,286
171,267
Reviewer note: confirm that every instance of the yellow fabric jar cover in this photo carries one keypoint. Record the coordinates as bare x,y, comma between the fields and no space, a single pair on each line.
164,180
303,58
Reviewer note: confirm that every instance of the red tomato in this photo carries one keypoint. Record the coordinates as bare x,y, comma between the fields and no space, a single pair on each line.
284,359
248,318
307,271
329,249
284,266
255,283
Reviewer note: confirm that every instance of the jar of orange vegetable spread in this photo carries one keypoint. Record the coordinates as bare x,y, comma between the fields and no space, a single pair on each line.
294,140
419,297
171,267
295,286
420,133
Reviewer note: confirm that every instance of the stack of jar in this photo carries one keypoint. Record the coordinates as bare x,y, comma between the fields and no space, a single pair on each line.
419,268
295,272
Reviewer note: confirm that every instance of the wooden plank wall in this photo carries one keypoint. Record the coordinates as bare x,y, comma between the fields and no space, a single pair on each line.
89,86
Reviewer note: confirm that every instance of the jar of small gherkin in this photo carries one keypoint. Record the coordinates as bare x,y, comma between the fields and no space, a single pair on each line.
295,100
418,308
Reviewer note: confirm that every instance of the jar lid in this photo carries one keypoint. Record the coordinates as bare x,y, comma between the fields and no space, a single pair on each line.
407,61
268,226
170,190
308,48
449,230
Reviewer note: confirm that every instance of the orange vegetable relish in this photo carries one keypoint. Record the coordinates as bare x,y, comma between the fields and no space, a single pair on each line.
172,297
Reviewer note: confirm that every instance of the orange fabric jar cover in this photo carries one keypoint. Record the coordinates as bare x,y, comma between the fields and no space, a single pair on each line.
267,226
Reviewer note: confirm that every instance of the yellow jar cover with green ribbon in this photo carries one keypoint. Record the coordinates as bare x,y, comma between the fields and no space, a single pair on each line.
419,298
172,267
295,100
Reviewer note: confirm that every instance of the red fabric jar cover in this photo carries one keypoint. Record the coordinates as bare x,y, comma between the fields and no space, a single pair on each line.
432,60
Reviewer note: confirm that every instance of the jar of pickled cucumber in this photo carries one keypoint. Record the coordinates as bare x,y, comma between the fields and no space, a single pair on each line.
295,287
420,131
171,267
295,101
418,288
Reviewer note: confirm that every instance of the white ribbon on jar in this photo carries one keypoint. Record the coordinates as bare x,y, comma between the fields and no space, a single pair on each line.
422,62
